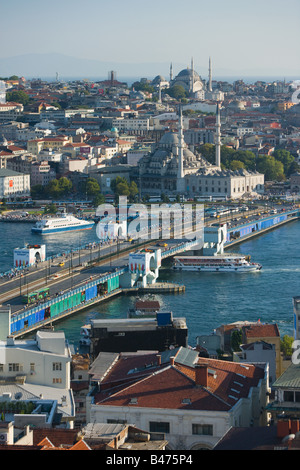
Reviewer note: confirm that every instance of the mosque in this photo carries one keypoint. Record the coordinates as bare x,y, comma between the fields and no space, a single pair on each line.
194,85
172,168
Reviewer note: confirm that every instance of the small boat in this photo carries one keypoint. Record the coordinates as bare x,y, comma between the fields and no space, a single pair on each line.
219,263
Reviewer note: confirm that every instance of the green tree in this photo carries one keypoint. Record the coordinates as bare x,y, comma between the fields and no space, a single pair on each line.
133,190
236,340
177,92
122,189
271,168
50,209
37,191
92,187
139,86
286,158
236,165
116,181
286,345
65,185
98,200
53,190
18,97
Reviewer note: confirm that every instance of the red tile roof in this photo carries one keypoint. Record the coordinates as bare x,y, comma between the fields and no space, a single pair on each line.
175,386
261,330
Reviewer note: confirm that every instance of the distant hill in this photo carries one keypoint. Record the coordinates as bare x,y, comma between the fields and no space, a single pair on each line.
47,65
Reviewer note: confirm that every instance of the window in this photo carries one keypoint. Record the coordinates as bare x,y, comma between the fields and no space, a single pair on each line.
32,367
288,396
15,367
202,429
56,366
56,381
159,426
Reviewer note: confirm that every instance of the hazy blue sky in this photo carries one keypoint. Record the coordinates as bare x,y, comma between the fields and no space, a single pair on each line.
248,36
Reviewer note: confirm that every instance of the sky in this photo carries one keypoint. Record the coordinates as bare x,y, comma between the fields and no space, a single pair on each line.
242,36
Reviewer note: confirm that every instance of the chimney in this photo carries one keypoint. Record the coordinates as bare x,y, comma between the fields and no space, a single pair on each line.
158,359
201,375
172,360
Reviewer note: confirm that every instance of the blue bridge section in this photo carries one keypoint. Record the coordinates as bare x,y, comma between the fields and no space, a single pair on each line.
66,303
256,226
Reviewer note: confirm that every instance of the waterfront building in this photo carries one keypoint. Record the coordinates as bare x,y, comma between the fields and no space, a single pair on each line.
194,401
13,184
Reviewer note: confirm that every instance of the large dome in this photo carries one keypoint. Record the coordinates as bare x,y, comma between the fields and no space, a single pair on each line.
189,80
187,73
168,140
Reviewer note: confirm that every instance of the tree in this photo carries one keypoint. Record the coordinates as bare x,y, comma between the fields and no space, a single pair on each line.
177,92
271,168
116,181
138,86
53,189
37,191
286,158
50,209
286,345
236,165
133,190
92,187
98,200
18,97
122,189
65,185
236,340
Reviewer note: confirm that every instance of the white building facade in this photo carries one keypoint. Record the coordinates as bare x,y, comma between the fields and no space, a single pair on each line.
13,184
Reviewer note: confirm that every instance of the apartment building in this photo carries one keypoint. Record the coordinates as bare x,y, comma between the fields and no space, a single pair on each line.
10,111
38,370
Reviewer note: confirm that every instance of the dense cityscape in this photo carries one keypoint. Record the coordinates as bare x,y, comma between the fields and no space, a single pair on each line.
147,377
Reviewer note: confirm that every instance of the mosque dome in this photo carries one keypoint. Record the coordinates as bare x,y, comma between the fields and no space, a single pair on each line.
169,140
187,74
190,80
158,79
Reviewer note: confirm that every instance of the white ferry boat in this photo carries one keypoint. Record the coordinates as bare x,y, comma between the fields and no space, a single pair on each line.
65,223
219,263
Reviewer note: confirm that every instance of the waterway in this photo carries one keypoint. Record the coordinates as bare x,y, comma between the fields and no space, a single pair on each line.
210,299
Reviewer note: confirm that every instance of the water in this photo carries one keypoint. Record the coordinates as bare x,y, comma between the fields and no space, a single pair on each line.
16,235
210,299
